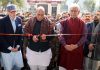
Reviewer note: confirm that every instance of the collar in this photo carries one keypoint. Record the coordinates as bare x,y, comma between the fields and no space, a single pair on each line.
12,19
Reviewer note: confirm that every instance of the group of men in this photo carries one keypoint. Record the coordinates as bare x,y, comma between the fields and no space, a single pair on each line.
38,49
11,40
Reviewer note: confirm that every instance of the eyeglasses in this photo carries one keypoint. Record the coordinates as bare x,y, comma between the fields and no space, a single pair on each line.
12,11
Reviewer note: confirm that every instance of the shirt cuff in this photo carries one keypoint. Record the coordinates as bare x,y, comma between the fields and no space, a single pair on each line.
18,46
9,48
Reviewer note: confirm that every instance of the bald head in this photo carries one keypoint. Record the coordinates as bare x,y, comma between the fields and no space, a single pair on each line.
40,12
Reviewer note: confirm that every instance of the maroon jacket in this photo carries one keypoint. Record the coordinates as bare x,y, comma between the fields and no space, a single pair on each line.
73,59
44,29
45,26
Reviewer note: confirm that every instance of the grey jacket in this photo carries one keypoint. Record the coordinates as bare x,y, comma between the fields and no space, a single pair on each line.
96,41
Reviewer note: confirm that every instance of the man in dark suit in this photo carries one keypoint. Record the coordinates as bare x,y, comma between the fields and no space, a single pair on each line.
88,50
10,45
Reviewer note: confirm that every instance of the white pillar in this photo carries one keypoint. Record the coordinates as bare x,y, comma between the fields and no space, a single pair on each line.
49,8
58,9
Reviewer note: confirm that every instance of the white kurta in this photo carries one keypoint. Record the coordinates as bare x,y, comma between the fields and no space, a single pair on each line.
39,58
11,59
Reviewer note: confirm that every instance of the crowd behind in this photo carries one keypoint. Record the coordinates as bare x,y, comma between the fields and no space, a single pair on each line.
81,35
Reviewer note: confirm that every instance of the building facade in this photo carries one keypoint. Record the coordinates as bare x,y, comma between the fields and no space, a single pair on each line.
52,7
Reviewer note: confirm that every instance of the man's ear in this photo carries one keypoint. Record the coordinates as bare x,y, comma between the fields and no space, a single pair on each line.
78,12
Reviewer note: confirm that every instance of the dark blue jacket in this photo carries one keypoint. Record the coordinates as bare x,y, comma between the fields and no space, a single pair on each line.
90,27
6,28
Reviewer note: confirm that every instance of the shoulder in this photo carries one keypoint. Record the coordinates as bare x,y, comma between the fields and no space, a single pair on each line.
80,20
18,18
46,20
89,24
30,21
4,20
98,25
64,22
97,28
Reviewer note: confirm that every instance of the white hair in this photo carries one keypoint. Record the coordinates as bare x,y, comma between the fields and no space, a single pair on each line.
74,5
40,8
